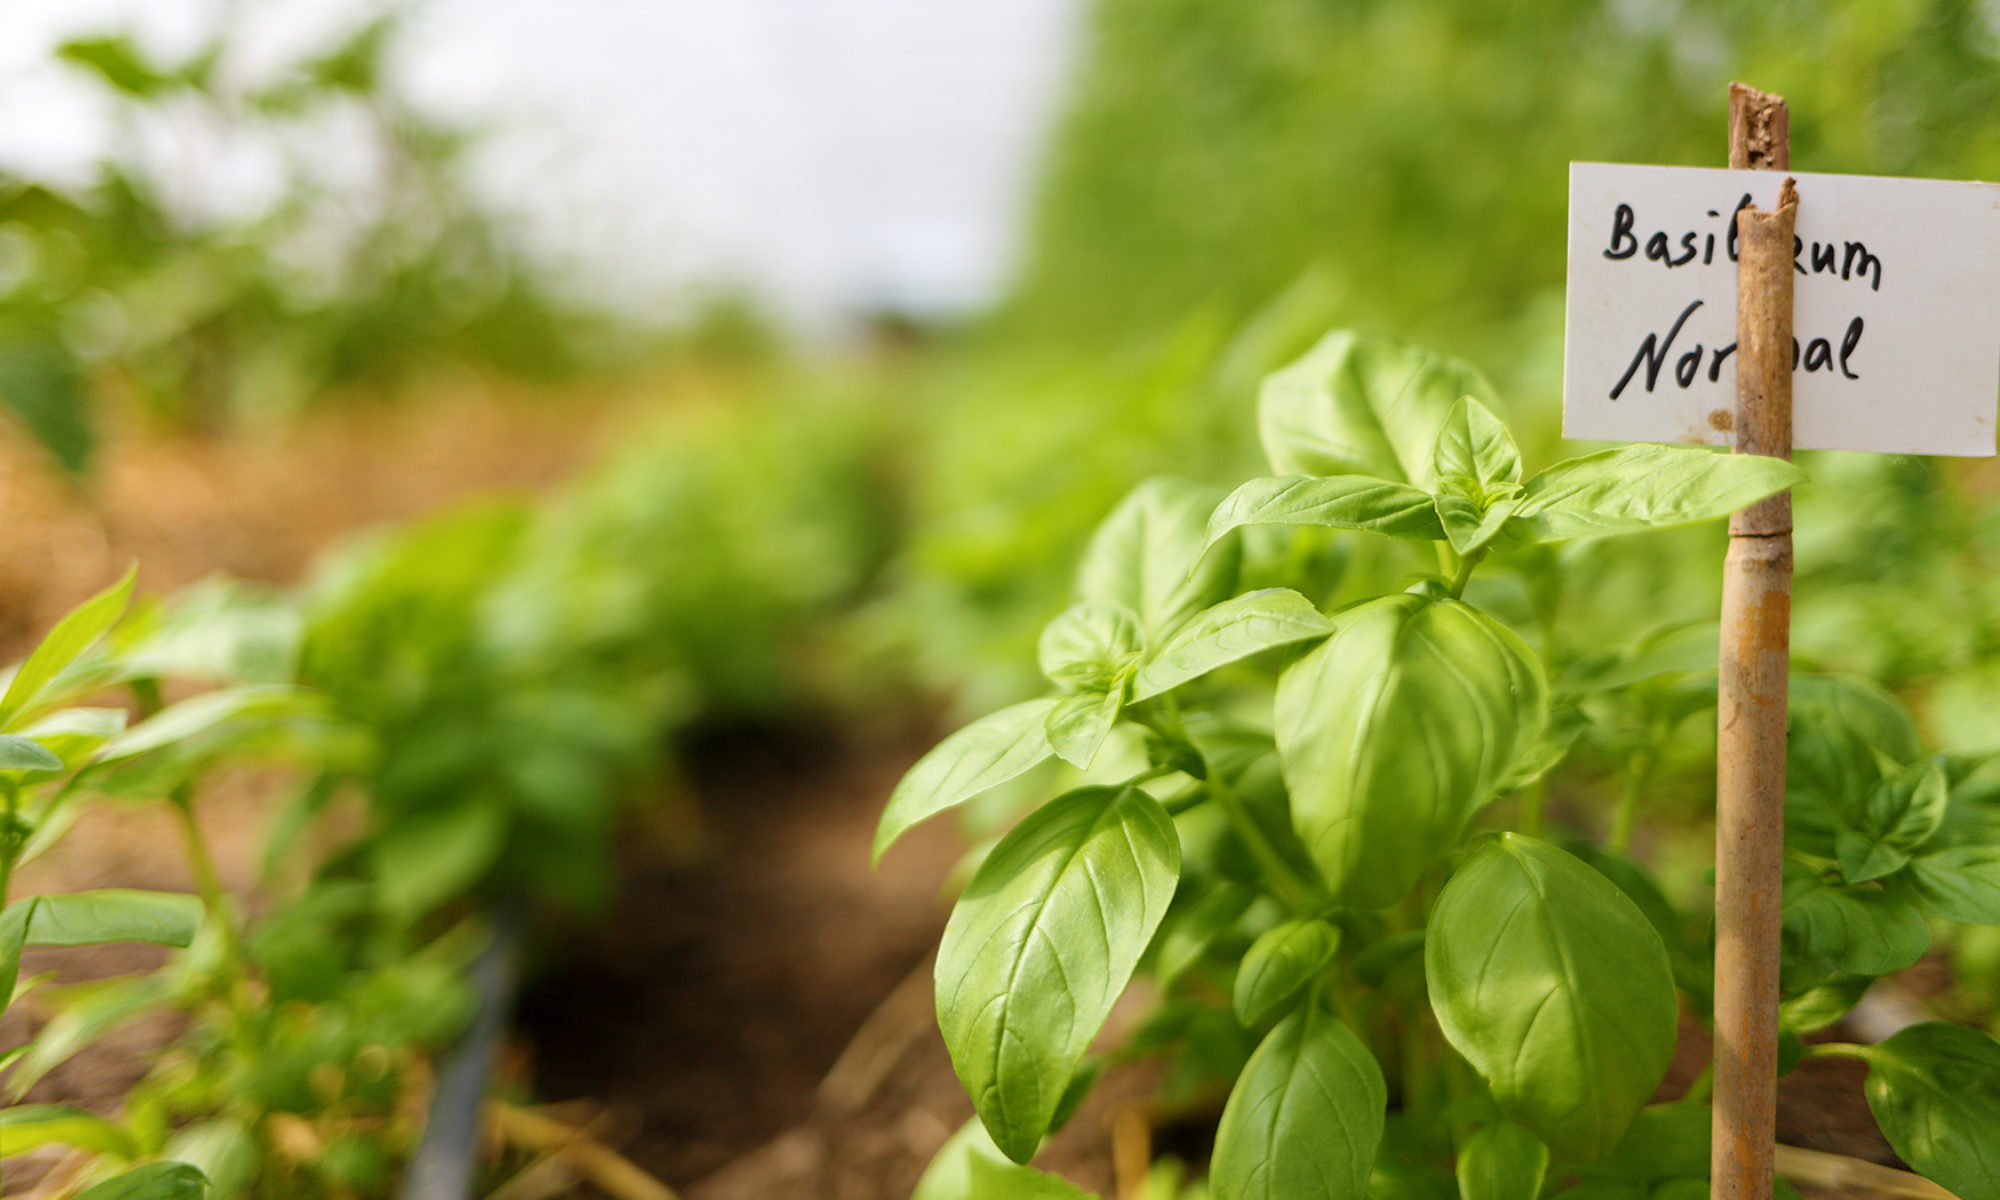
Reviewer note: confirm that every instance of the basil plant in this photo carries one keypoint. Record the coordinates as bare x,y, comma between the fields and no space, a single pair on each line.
1284,727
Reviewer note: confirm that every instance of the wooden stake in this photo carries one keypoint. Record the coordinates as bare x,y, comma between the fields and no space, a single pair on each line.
1754,674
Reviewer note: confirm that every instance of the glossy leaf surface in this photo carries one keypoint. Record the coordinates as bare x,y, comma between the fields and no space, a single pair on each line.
1334,502
1304,1118
1829,927
1279,964
1149,557
1501,1161
1040,946
1077,726
1233,630
983,755
1899,814
1960,883
1395,731
1640,487
1475,455
1935,1091
1555,987
1355,405
1090,646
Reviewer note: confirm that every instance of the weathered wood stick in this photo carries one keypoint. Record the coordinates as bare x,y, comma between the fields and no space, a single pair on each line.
1753,682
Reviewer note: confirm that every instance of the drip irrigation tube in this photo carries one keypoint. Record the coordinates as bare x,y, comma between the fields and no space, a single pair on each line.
446,1158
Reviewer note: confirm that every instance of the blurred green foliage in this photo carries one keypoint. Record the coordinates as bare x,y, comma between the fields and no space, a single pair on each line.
1418,149
1229,180
211,318
519,669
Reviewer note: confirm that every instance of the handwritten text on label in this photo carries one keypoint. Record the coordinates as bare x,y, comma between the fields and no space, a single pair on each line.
1896,311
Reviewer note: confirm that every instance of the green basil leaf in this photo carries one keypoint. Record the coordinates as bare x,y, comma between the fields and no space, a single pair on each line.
1960,883
74,735
1042,943
1148,557
1090,646
1821,1005
1470,526
83,1023
231,710
1188,934
113,915
1640,487
1841,730
222,1149
1665,1141
154,1181
983,755
1475,455
949,1175
1233,630
1279,964
26,1127
1555,987
1830,927
1395,731
1304,1118
1935,1091
64,644
1334,502
1899,815
422,859
1356,405
19,753
1077,725
1501,1161
1001,1180
14,935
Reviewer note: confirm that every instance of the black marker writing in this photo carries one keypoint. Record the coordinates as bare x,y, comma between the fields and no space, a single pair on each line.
1816,355
1851,260
1653,354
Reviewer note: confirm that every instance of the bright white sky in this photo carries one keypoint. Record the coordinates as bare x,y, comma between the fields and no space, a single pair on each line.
831,155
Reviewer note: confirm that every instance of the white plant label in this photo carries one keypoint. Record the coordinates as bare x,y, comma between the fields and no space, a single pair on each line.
1896,313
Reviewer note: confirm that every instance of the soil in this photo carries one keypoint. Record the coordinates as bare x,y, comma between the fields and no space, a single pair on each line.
262,507
766,1015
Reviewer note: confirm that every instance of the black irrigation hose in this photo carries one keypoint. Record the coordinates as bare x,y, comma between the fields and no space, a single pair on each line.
449,1153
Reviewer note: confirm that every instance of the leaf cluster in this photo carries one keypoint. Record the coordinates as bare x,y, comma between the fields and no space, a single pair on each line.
1279,788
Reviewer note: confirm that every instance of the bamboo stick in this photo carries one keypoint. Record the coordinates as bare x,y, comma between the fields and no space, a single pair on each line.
1754,669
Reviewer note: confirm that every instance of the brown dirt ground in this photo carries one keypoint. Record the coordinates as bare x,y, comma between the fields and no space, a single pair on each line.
261,507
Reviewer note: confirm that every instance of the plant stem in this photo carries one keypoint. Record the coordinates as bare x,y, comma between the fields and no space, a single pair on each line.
1637,772
207,881
1841,1050
1534,798
1296,892
1464,576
